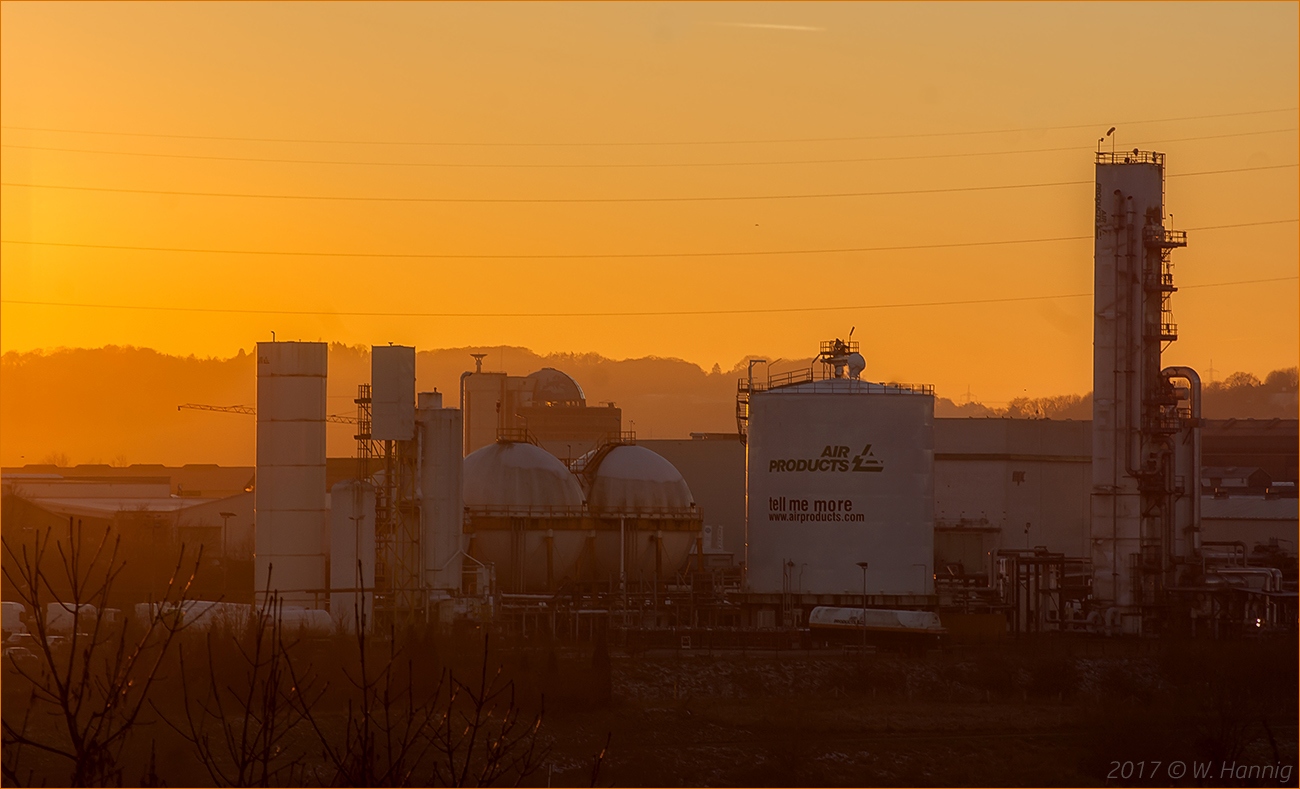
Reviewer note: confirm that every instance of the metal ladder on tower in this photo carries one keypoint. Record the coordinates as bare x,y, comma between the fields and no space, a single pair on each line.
742,410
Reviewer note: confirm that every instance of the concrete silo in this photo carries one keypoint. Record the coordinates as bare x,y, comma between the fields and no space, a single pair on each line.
289,499
441,492
352,552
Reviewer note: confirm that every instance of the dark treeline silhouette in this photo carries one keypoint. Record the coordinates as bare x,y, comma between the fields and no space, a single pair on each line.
1239,396
117,405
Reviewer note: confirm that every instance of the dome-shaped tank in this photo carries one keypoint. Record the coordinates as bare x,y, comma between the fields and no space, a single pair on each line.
632,479
508,475
550,386
647,518
525,517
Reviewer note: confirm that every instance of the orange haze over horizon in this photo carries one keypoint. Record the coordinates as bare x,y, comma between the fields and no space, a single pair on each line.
484,103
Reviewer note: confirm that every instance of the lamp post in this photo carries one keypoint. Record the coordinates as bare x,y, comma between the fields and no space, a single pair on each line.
225,561
863,565
787,604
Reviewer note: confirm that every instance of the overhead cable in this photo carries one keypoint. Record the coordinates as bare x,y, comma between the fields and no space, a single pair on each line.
626,314
535,144
633,165
678,199
600,256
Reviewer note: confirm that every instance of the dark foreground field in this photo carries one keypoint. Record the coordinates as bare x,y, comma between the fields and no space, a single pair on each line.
1122,713
1023,714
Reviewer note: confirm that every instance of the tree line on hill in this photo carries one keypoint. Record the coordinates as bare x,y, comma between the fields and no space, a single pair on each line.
118,405
1239,396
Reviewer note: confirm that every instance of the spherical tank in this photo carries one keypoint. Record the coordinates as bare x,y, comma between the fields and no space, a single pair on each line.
549,385
645,506
524,516
635,479
518,475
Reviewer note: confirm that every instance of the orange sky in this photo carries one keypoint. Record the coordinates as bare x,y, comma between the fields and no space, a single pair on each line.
646,73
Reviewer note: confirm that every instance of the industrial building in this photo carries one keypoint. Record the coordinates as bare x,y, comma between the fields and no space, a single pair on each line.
195,504
548,404
526,506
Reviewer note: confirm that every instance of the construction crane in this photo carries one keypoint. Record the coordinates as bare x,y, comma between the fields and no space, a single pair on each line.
342,419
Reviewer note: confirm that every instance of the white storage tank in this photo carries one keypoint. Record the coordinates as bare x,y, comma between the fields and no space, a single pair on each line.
524,516
441,492
392,392
14,614
352,552
840,471
642,505
289,498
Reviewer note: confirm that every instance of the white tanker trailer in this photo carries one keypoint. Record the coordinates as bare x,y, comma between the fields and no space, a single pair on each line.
877,625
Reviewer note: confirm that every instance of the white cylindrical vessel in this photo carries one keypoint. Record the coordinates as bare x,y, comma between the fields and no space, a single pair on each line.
441,495
841,471
352,552
289,498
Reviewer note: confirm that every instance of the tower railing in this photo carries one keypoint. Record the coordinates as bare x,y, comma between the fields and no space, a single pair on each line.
1159,236
515,435
813,374
1131,157
830,347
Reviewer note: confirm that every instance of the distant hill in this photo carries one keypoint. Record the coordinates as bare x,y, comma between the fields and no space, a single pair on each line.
118,404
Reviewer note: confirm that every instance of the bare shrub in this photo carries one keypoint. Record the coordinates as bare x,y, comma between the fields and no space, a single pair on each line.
95,680
461,733
243,712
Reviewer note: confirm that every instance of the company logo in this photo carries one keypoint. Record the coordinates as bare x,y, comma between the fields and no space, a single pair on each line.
833,459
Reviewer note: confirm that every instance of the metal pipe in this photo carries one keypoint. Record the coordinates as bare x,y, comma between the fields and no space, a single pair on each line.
550,560
1272,576
464,413
659,555
1194,378
1121,417
1133,346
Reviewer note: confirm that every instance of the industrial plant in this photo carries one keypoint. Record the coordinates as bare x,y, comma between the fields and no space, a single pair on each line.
840,508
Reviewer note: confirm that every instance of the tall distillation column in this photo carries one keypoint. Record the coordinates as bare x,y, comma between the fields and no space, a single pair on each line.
1135,409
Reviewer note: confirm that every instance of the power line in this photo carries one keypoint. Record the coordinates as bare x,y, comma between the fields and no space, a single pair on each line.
538,199
630,314
490,165
698,199
599,256
1238,282
478,144
746,253
1233,170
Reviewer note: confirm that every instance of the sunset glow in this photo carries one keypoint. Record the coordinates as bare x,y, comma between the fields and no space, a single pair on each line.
550,103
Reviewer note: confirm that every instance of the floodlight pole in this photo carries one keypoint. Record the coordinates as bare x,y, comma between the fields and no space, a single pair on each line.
863,565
